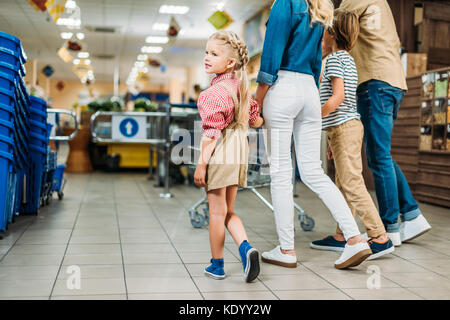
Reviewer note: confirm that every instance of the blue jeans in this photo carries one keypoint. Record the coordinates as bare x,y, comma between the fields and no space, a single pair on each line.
378,104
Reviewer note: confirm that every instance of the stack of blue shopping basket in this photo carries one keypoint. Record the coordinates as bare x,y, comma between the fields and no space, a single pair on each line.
24,136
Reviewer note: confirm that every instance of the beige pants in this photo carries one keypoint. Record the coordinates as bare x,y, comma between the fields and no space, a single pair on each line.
345,142
229,162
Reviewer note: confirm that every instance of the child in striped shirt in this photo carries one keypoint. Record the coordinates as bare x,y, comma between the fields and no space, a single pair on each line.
345,134
223,161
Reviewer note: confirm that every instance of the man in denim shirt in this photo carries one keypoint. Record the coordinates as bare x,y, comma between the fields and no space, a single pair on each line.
381,88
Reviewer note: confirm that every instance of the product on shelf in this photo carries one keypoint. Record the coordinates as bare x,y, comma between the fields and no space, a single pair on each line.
440,89
438,144
425,142
439,118
448,115
428,85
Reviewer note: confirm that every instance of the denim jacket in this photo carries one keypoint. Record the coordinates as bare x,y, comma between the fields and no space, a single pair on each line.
291,42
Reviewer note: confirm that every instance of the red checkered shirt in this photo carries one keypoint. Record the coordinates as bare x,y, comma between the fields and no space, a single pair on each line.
216,106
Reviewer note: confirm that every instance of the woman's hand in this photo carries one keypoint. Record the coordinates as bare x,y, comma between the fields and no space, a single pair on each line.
261,92
200,175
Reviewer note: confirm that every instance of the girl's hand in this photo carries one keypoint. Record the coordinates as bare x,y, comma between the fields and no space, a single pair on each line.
200,176
329,154
258,122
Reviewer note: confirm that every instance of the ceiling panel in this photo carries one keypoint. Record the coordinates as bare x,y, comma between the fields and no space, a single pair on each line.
134,20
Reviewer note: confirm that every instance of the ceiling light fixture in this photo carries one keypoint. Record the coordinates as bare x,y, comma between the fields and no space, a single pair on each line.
142,57
66,35
76,61
150,49
153,39
173,9
83,55
69,22
80,36
70,4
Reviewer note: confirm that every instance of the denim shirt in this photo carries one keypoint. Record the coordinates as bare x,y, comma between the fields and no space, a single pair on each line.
291,42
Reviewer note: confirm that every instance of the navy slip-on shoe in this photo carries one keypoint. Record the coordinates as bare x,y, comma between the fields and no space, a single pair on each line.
380,249
329,244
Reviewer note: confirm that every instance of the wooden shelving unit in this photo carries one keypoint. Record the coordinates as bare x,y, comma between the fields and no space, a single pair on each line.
433,179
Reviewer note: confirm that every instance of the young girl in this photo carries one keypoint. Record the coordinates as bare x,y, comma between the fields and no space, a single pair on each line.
345,133
226,110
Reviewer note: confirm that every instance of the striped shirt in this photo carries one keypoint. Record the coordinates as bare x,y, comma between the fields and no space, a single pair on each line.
216,106
340,64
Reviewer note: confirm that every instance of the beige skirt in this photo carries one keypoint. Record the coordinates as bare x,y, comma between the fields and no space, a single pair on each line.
229,162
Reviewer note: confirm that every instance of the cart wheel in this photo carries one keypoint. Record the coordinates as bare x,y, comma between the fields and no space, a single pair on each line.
306,223
197,220
60,195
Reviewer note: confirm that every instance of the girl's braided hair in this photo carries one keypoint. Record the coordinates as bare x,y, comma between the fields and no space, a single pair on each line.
238,52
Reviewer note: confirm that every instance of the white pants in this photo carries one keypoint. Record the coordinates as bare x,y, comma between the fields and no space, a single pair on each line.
292,107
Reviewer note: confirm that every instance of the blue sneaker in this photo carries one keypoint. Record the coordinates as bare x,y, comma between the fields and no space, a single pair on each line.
215,269
380,249
328,243
250,261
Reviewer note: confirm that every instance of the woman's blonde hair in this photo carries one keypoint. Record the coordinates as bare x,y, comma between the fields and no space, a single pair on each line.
345,29
321,11
238,52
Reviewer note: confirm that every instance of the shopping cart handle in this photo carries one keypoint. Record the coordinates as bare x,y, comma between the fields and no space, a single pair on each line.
70,113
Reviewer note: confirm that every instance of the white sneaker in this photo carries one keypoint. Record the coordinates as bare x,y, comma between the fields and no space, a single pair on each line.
412,229
395,238
279,258
353,255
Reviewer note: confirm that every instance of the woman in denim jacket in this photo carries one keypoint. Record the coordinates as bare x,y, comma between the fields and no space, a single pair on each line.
288,93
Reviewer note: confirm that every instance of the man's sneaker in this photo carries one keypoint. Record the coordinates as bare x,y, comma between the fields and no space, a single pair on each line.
215,269
329,243
380,249
353,255
395,238
412,229
279,258
250,261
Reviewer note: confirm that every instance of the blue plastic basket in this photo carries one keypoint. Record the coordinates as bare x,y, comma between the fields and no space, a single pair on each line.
8,68
38,115
6,144
6,128
7,97
38,103
7,81
10,42
38,127
11,196
20,174
22,89
58,177
6,161
10,57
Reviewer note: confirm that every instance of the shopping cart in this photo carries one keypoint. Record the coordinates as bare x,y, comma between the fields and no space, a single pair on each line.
257,177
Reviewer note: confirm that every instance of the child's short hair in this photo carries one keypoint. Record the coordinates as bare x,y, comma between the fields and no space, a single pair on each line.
345,29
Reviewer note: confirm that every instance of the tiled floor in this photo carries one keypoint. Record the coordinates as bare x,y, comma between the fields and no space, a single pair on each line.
130,244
